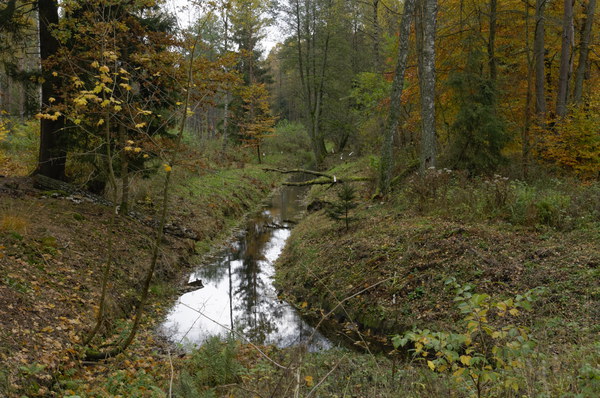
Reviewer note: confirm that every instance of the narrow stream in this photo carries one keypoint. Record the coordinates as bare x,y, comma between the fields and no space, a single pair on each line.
238,293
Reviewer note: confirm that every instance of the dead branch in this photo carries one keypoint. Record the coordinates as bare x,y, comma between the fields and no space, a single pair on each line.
299,171
326,181
323,178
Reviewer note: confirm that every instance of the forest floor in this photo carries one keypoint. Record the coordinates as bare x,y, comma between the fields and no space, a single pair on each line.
53,248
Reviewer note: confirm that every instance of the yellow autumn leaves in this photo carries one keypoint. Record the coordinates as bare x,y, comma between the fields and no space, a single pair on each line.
102,94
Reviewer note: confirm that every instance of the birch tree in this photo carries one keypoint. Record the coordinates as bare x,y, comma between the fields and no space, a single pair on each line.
427,84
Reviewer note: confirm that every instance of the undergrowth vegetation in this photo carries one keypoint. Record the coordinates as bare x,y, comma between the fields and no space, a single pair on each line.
558,203
18,146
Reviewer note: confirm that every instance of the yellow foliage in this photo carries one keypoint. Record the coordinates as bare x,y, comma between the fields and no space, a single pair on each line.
3,130
574,142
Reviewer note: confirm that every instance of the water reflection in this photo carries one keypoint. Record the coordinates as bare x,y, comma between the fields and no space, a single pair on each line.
238,293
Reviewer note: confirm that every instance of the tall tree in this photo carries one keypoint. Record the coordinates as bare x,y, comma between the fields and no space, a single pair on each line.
492,62
427,83
539,59
566,59
53,155
584,50
387,156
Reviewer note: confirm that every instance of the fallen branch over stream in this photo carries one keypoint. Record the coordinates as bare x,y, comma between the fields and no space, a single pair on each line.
322,178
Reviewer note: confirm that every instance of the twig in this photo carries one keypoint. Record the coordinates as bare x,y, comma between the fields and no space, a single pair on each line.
172,372
325,377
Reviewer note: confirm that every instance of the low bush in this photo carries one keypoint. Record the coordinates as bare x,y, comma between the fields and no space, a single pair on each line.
559,204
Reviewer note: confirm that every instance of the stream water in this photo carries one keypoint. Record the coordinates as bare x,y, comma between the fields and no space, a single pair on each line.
238,293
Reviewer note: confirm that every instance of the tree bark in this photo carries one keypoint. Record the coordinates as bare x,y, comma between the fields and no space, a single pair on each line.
492,62
525,134
52,154
124,170
584,49
387,156
539,55
379,66
427,85
566,63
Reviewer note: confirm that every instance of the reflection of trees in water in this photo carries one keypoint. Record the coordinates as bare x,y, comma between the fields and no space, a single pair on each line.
255,312
214,271
252,310
285,205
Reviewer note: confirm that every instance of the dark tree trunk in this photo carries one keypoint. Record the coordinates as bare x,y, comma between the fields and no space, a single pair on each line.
539,60
584,49
492,41
52,154
566,63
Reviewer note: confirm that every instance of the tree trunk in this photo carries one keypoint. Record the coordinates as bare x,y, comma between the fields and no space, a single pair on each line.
492,41
584,49
565,59
387,156
539,55
525,134
124,171
427,85
227,99
377,37
52,155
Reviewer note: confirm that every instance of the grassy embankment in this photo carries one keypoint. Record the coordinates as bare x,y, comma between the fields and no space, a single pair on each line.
52,251
504,237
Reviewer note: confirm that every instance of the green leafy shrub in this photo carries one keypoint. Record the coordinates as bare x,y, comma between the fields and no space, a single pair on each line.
485,355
